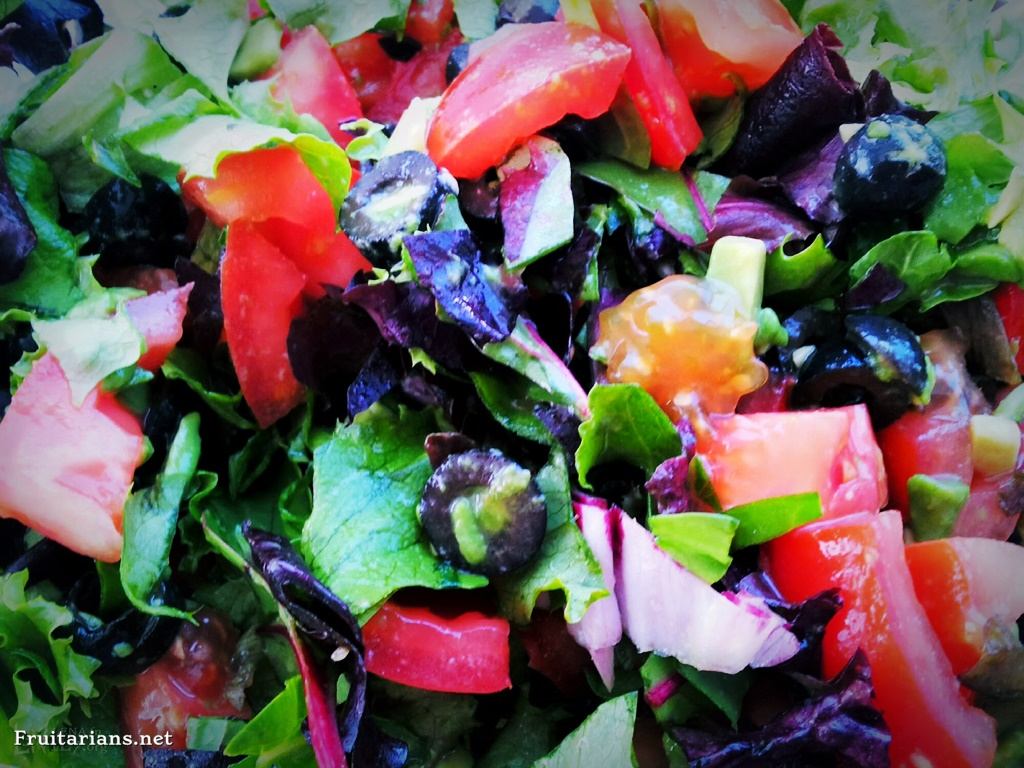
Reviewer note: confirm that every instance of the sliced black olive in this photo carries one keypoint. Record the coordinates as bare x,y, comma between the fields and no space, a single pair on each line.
400,50
402,194
440,445
458,60
808,326
891,165
892,350
184,758
526,11
483,512
131,225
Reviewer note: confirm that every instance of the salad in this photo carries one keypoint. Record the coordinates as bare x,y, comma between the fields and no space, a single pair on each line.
459,383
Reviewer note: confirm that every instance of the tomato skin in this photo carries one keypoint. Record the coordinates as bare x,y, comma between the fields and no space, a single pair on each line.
963,583
915,688
709,40
367,66
415,646
325,259
261,293
190,680
263,184
935,440
657,94
429,20
158,317
762,455
309,76
1009,299
67,469
529,77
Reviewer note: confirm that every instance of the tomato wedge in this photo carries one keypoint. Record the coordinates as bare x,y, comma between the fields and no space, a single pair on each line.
310,78
367,67
415,646
649,79
158,317
428,21
261,293
832,452
529,77
263,184
422,76
1009,299
325,259
962,583
916,691
711,42
67,469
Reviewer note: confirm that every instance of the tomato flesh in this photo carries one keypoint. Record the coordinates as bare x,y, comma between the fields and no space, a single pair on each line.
68,469
414,646
831,452
367,66
1009,299
310,78
429,20
261,293
656,92
915,689
158,317
712,41
962,583
529,77
191,680
422,76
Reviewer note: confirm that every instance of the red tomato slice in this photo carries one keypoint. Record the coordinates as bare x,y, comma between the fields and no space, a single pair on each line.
67,470
191,680
262,184
649,79
416,647
935,440
261,293
312,80
962,583
709,40
330,260
1009,299
530,77
158,317
367,66
916,691
429,20
423,75
763,455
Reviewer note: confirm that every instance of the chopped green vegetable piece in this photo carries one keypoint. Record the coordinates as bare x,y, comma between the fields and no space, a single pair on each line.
604,738
698,541
935,503
764,520
799,271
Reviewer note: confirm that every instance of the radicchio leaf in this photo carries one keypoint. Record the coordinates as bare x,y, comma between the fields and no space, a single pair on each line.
759,219
668,485
810,96
321,617
838,720
880,100
807,182
17,236
48,29
879,286
448,264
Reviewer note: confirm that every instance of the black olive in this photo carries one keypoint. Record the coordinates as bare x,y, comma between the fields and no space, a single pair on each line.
184,758
483,512
131,225
892,350
458,60
402,194
526,11
400,50
891,165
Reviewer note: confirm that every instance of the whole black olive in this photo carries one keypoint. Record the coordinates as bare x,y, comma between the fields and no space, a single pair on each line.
131,225
402,194
483,512
892,350
891,165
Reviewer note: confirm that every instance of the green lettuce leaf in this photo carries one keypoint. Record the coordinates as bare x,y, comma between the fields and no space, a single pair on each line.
659,191
275,733
511,400
698,541
363,539
204,40
915,257
151,518
625,425
41,674
49,284
340,21
186,366
764,520
604,738
564,562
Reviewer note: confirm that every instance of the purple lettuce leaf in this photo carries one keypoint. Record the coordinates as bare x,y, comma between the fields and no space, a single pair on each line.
669,486
807,182
380,374
879,286
759,219
810,96
17,236
880,100
838,720
40,39
322,619
448,264
204,322
7,45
